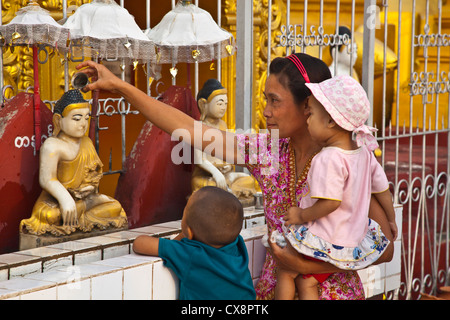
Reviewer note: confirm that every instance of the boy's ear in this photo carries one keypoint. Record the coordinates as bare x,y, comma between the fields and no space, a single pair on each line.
190,233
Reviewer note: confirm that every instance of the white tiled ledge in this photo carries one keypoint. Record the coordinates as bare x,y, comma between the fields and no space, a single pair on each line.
21,263
126,275
77,252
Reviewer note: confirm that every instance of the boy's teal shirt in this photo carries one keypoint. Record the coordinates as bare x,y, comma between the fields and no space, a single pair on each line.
208,273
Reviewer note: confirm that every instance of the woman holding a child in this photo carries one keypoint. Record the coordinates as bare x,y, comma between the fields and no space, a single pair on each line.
282,178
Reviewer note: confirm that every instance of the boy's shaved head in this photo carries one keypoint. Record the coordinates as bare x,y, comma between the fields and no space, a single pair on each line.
214,215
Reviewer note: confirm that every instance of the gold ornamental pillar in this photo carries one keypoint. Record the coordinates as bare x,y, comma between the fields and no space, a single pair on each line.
260,43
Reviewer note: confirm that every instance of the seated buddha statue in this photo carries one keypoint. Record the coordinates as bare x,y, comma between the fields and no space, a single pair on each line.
212,102
69,174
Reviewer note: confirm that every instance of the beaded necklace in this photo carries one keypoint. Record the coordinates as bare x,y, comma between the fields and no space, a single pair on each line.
293,185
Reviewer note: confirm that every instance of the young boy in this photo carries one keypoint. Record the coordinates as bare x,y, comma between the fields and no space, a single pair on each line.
210,258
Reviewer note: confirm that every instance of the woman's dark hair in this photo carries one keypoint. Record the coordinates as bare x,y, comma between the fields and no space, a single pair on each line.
291,78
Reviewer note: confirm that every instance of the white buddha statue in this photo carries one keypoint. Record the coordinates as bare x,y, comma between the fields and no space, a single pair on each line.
343,60
212,102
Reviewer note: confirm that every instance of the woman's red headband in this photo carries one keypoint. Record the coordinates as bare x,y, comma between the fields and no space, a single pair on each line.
299,66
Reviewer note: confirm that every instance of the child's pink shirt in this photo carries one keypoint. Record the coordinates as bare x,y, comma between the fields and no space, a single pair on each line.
349,176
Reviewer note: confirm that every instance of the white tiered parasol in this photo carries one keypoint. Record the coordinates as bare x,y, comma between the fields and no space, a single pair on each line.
109,31
189,34
105,30
33,26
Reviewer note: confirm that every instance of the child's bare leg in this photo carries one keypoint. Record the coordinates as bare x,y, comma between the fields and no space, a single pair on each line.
285,288
307,288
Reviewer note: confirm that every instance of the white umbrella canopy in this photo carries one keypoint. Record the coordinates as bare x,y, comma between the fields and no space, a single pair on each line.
109,31
33,25
189,34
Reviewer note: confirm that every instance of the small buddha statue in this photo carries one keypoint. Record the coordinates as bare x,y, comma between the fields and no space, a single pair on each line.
212,102
69,174
343,60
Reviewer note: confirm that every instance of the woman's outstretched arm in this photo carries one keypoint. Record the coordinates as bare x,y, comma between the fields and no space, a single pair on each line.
168,119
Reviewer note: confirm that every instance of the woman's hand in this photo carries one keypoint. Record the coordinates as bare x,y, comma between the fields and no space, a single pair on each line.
289,259
102,78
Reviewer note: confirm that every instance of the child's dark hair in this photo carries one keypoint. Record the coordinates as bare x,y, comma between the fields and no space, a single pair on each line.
291,78
215,216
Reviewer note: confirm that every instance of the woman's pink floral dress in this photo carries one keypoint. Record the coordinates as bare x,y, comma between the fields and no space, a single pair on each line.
268,161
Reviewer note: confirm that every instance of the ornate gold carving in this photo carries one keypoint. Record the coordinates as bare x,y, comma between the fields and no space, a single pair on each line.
9,8
260,35
18,70
278,18
15,61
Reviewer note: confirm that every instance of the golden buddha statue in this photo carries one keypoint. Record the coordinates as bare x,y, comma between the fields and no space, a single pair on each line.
69,174
212,102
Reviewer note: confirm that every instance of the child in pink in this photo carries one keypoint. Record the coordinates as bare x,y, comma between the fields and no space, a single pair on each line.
332,221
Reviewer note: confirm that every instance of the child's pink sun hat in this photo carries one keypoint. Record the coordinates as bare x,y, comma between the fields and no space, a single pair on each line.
347,103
